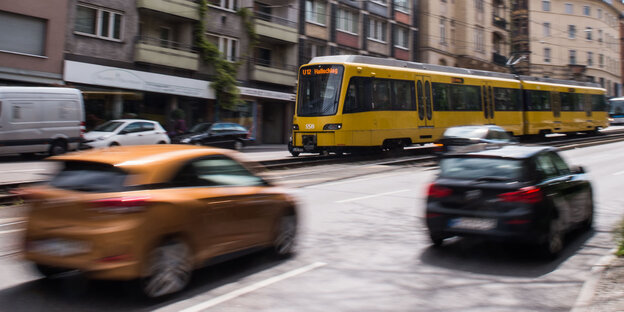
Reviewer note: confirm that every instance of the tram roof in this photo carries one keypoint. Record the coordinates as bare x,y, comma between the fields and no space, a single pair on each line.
362,59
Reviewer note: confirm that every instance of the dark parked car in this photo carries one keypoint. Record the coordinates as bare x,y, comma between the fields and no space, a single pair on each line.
523,193
223,134
462,138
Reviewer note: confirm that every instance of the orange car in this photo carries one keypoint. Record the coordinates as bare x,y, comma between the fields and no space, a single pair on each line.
153,213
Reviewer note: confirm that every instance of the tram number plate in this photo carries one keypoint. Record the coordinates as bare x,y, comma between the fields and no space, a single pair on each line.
297,149
472,224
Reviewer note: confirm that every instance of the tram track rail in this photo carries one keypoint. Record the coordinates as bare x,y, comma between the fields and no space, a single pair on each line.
418,155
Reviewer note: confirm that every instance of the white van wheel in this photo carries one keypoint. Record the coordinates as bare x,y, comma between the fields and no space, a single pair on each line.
57,148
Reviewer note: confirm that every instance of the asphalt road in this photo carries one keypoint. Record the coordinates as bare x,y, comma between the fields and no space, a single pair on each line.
363,247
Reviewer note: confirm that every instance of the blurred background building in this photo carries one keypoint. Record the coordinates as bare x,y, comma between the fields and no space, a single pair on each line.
142,58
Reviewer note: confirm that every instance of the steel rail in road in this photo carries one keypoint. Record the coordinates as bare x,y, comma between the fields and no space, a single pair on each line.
410,155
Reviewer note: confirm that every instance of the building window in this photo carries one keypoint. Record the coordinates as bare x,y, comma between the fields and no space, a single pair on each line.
573,57
568,8
545,5
347,21
599,35
590,58
377,30
571,31
601,60
22,34
586,10
443,31
227,46
480,39
165,37
402,5
264,57
315,12
479,5
599,13
401,37
546,55
546,29
224,4
588,33
98,22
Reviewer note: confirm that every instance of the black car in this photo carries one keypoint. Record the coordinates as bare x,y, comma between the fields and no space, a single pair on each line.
463,138
522,193
223,134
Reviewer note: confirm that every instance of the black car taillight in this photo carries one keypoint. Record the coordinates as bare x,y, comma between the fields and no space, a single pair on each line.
438,191
527,195
120,205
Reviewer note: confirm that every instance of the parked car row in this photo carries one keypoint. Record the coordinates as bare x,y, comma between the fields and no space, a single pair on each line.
143,132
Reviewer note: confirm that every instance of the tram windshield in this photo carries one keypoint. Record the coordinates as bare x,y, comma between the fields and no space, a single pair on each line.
319,90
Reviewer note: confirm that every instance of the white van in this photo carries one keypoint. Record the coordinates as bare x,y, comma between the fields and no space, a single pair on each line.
40,119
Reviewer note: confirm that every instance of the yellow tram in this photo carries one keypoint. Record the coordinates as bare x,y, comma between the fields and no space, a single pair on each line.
351,102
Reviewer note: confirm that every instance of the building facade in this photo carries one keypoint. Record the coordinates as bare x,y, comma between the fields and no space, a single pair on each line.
470,34
571,39
377,28
32,42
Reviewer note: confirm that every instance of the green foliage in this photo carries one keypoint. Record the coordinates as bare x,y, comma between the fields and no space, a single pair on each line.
247,15
224,82
619,237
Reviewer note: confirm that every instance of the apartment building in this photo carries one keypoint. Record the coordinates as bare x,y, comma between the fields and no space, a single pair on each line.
465,33
141,58
32,41
569,39
379,28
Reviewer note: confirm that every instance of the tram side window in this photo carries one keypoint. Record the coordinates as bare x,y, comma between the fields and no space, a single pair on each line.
465,98
598,103
440,97
571,102
381,95
358,97
403,95
507,99
538,100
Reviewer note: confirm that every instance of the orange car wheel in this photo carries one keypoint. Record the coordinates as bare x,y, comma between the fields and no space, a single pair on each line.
285,237
169,269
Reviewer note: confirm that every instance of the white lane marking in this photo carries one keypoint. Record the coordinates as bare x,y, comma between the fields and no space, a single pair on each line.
253,287
25,170
11,231
619,173
370,196
11,223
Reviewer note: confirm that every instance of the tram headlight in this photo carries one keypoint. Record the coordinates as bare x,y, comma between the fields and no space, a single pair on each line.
332,127
295,127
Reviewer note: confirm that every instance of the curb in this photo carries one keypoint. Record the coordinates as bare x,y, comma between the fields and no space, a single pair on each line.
586,296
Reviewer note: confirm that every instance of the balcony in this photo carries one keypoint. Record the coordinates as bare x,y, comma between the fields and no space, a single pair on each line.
264,71
499,22
166,53
182,8
275,27
499,59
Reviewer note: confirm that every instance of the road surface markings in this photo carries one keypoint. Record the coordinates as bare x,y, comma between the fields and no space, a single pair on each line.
11,223
25,170
11,231
370,196
253,287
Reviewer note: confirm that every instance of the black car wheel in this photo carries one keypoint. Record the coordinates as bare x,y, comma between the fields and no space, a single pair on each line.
436,239
589,221
553,244
50,271
237,145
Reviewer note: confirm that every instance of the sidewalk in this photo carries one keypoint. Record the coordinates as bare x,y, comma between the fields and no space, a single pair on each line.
604,290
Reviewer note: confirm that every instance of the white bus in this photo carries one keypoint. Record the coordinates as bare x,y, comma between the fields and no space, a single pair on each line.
616,110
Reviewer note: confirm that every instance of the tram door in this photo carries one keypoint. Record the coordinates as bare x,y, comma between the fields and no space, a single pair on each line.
425,102
488,104
556,109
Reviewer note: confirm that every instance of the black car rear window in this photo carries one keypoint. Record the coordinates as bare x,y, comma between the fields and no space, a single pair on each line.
484,168
89,177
